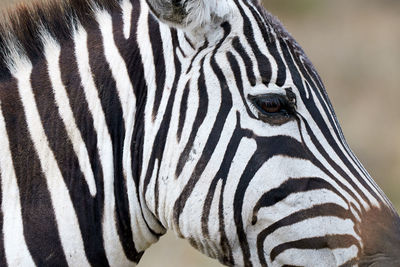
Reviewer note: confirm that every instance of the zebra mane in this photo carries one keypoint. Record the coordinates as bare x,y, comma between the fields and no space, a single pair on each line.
22,26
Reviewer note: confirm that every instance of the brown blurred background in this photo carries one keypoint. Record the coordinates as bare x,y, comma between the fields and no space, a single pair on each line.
355,46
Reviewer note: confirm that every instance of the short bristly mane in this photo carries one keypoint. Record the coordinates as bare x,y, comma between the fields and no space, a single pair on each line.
24,24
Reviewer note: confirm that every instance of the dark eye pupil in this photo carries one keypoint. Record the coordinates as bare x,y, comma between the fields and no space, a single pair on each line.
274,109
271,106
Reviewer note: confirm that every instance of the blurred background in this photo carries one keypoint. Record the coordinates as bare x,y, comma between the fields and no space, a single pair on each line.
355,46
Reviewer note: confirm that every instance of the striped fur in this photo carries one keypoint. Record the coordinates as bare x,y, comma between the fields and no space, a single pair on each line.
116,127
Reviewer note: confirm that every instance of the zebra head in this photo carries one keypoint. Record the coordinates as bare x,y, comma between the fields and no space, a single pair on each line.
254,168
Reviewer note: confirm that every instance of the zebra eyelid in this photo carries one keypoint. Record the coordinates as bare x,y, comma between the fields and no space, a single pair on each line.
286,110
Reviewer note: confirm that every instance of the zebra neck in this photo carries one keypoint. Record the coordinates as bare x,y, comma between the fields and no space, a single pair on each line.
85,96
118,73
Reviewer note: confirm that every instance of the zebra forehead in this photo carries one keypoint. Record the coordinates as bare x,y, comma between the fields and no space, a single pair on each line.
280,31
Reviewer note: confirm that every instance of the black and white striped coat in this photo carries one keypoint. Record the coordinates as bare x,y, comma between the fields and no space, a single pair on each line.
205,118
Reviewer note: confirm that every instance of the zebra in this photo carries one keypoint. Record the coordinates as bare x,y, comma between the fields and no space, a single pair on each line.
122,119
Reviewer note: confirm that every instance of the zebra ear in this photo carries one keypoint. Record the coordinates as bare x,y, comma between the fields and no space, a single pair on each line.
191,14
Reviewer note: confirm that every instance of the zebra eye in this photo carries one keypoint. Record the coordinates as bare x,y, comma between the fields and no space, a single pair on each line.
274,109
270,105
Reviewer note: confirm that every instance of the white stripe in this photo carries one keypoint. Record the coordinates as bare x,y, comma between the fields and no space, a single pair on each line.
194,205
113,248
329,149
357,201
336,158
185,46
243,154
342,142
52,52
315,257
310,228
260,42
151,129
127,17
143,237
348,153
67,221
117,65
16,250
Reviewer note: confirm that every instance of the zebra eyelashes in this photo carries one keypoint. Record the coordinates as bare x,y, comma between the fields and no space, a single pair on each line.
275,109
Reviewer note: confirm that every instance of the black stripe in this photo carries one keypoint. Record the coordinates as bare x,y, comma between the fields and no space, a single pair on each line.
39,222
159,62
89,210
329,241
62,148
317,116
3,261
178,46
215,134
281,78
138,143
203,47
168,113
264,66
325,129
323,210
239,82
183,110
289,187
111,106
140,90
199,119
336,167
159,141
269,40
267,147
129,51
313,79
222,174
324,169
4,71
321,95
189,42
248,63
